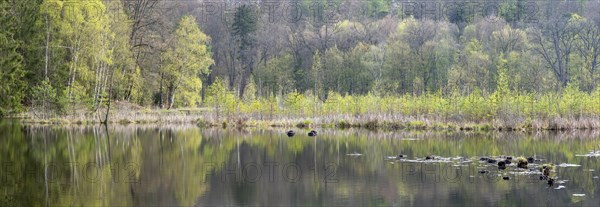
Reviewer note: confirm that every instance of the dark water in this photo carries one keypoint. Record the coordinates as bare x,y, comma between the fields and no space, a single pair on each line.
188,166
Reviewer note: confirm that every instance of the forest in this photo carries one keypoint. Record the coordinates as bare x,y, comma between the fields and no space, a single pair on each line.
508,63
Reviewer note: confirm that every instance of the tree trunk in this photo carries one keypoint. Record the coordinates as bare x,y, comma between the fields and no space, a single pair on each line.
161,92
47,48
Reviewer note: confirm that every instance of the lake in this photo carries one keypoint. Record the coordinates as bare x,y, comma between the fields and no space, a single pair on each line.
174,165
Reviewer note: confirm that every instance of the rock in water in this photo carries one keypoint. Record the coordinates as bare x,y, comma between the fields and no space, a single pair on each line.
546,171
522,163
291,133
312,133
550,182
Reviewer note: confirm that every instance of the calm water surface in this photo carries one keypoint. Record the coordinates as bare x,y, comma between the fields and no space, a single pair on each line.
189,166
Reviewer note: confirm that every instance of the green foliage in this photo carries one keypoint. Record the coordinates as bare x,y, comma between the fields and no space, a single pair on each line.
59,52
46,99
186,60
317,76
12,89
221,99
514,11
127,74
11,74
377,8
275,77
504,106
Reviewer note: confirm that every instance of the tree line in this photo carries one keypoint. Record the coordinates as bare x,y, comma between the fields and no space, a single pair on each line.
58,56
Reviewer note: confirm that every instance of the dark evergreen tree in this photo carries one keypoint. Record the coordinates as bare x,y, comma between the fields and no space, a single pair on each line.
12,88
244,28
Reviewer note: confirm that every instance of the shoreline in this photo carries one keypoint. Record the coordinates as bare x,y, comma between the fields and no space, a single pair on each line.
371,122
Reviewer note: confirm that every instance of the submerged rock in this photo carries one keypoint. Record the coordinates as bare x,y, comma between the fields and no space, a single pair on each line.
550,182
501,165
530,159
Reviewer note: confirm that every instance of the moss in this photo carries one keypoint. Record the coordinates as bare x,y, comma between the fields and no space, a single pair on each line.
125,121
394,125
484,127
304,124
373,124
224,125
417,125
343,124
452,126
466,128
522,162
203,123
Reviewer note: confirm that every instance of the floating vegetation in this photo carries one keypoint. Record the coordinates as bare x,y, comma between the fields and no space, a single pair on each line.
411,139
569,165
591,154
429,160
390,157
525,172
518,166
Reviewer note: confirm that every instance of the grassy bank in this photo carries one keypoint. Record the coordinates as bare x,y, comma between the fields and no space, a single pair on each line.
569,110
380,122
208,118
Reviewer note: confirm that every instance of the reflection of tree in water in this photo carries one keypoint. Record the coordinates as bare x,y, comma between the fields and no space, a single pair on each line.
170,164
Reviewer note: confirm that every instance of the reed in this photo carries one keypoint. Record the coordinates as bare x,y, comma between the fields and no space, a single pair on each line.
568,110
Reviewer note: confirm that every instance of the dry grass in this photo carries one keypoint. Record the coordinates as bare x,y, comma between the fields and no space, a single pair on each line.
206,118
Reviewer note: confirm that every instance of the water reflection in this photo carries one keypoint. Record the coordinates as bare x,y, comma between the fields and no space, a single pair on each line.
186,166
